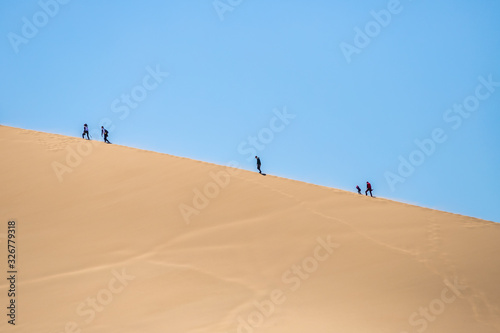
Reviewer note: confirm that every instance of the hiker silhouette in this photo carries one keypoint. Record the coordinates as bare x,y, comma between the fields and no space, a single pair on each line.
104,132
258,164
85,131
368,189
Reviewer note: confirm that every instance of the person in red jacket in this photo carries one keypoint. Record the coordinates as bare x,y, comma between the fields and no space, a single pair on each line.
368,189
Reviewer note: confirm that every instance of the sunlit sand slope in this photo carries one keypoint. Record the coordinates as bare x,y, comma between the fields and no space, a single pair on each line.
114,239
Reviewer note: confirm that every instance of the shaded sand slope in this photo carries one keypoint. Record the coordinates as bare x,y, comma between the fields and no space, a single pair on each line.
106,248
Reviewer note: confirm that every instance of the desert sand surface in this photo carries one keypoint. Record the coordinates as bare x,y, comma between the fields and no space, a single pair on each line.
115,239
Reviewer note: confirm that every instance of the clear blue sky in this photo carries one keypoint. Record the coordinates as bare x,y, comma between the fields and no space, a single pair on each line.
361,91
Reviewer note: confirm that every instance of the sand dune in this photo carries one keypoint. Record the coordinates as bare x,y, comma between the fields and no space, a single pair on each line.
114,239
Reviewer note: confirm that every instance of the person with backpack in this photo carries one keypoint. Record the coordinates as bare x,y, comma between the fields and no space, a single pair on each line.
104,132
85,131
359,189
368,189
258,164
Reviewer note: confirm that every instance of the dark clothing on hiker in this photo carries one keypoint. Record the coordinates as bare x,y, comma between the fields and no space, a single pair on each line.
359,189
368,189
85,131
105,133
258,164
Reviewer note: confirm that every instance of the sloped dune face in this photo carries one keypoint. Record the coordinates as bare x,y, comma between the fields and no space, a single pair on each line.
113,239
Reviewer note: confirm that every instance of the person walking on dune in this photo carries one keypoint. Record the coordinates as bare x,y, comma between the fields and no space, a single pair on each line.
104,132
368,189
258,164
85,131
358,188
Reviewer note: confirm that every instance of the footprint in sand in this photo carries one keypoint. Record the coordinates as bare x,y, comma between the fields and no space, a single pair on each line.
438,261
54,143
